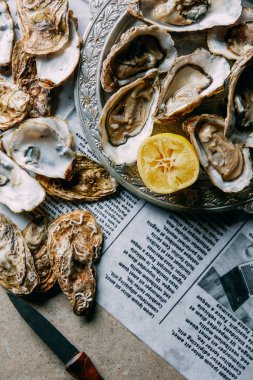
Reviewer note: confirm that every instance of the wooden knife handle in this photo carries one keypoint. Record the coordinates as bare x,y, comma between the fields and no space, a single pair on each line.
82,368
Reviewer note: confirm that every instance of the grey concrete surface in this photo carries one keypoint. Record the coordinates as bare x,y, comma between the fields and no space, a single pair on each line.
116,352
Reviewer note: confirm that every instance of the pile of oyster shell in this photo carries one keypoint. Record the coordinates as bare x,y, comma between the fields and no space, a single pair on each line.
153,87
37,152
64,251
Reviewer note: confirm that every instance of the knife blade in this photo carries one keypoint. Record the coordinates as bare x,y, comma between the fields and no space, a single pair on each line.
77,363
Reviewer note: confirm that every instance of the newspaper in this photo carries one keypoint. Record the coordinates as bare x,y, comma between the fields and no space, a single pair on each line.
181,283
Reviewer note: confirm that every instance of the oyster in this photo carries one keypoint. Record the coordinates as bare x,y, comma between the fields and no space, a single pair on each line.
90,182
35,235
6,36
14,104
17,271
23,65
18,190
126,119
58,67
228,165
140,49
74,244
44,25
186,15
190,80
233,41
39,148
239,121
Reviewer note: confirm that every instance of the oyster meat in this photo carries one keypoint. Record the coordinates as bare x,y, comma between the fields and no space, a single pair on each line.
17,270
18,190
239,121
35,235
140,49
6,36
90,182
74,244
39,148
233,41
43,24
126,119
228,165
58,67
14,104
186,15
190,80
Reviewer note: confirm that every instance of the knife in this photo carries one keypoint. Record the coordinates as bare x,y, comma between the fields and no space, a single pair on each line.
78,364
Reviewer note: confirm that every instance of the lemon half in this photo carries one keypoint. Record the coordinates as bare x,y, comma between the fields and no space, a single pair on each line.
167,163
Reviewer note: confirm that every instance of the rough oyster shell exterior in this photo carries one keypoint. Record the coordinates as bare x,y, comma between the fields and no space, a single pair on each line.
14,104
44,26
74,244
17,270
224,12
6,36
90,182
109,78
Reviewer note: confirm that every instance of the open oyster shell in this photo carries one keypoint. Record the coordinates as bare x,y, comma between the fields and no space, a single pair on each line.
239,120
126,119
57,67
14,104
35,235
6,36
17,270
43,25
227,165
90,182
233,41
18,190
189,81
39,148
140,49
74,244
186,15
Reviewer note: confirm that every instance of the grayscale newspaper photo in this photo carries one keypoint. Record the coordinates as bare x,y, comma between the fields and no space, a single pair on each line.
126,189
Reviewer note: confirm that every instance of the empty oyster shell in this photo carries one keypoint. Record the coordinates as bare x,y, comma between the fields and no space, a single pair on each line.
126,119
186,15
233,41
140,49
39,148
14,104
228,165
58,67
90,182
6,36
74,243
43,25
190,80
239,121
18,190
35,235
23,64
17,271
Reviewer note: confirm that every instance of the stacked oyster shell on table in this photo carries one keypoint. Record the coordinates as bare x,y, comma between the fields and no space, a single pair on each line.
38,158
182,86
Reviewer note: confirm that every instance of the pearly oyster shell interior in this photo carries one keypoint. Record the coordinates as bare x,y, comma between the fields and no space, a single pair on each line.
17,270
74,244
6,36
18,190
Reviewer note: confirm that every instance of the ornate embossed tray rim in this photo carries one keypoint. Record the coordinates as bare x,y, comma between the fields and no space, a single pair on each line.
106,24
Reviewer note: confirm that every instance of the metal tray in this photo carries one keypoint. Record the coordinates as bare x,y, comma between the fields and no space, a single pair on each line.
109,21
